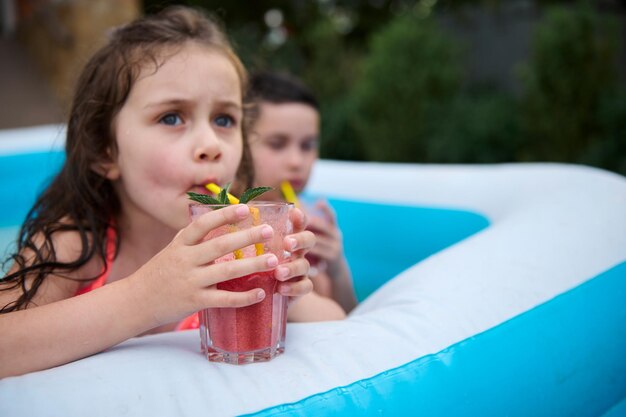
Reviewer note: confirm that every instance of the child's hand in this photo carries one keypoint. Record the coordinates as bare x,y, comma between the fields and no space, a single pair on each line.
295,272
180,280
329,241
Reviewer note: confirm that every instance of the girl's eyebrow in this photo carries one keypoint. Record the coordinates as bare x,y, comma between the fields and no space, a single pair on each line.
169,102
181,102
277,136
230,105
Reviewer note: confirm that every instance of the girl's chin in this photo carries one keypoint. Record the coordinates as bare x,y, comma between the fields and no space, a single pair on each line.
178,222
181,222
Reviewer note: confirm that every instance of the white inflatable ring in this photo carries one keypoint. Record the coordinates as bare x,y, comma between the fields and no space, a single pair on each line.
525,317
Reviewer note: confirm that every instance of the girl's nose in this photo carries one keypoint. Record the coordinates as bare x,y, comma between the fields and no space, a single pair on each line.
208,147
295,157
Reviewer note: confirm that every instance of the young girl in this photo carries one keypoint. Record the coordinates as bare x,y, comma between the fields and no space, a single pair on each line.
107,252
284,146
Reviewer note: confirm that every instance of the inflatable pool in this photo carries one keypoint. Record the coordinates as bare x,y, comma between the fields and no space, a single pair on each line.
485,290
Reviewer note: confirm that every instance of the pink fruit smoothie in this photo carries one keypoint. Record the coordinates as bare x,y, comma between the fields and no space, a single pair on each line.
258,327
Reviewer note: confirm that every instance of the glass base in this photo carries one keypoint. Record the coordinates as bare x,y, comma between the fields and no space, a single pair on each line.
241,358
255,333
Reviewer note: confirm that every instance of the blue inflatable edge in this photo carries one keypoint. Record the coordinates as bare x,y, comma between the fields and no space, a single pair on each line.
618,410
563,357
413,234
23,178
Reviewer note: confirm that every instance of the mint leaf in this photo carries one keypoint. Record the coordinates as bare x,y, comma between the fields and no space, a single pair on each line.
223,195
252,193
203,198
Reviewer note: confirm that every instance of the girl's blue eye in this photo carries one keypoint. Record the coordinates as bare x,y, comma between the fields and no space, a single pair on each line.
171,119
277,145
224,121
309,145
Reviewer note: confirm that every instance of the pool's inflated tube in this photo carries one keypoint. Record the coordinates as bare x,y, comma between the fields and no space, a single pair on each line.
525,317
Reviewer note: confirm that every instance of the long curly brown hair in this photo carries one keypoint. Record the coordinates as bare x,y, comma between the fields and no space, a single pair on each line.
79,199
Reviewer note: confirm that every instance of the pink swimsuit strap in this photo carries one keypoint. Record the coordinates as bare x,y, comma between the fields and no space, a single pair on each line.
111,237
190,323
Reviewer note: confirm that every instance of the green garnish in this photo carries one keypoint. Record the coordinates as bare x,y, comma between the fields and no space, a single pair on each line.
252,193
223,195
204,199
222,198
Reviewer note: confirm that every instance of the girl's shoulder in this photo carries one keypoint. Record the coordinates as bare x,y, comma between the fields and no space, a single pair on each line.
68,248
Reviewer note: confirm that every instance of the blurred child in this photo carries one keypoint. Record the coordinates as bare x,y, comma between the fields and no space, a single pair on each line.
157,113
283,140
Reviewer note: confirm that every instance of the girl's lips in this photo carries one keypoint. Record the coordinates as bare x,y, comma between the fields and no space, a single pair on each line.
199,189
297,184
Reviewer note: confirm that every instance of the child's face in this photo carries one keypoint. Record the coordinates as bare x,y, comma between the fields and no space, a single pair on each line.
283,144
179,129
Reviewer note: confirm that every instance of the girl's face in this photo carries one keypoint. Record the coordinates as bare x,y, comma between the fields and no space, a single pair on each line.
179,129
283,144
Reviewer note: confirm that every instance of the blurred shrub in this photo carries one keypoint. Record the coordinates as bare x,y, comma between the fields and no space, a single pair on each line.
333,65
391,86
481,127
408,82
609,151
571,68
340,139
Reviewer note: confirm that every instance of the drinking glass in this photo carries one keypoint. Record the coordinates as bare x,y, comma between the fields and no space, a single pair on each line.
255,333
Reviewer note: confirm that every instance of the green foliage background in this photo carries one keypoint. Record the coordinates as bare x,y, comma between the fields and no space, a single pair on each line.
393,86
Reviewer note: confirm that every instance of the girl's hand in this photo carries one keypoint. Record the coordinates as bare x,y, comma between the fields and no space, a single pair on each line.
180,279
329,241
294,273
334,272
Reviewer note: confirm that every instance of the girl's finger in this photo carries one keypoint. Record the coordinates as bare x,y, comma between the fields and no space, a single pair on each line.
319,225
327,243
213,297
296,268
325,230
223,271
212,249
321,252
202,225
296,288
298,219
303,240
327,210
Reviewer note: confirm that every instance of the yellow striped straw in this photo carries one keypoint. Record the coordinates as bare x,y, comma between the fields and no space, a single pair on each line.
256,218
215,189
289,193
